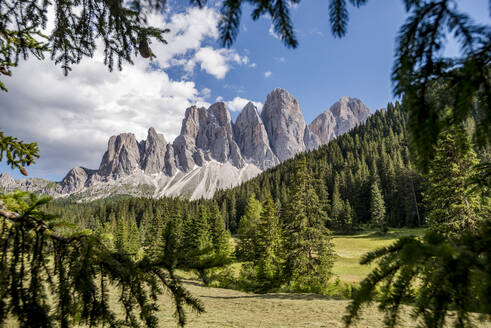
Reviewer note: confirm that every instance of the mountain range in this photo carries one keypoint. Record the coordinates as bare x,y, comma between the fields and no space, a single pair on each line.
210,153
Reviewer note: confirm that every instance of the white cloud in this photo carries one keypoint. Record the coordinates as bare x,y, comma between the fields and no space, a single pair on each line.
72,117
252,65
206,93
267,74
238,103
217,62
188,31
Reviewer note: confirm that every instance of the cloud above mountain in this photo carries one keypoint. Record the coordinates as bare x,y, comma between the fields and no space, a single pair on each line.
72,117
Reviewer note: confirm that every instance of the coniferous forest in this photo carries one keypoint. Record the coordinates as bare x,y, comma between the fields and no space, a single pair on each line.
422,163
342,174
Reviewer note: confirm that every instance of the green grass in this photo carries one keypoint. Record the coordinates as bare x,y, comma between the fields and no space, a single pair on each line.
232,308
350,249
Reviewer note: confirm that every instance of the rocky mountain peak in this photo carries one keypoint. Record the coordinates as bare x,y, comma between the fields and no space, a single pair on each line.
210,153
75,179
341,117
206,134
348,113
122,155
323,126
153,152
6,181
252,138
284,123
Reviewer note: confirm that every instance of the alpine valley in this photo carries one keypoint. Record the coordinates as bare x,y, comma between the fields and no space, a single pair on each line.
211,153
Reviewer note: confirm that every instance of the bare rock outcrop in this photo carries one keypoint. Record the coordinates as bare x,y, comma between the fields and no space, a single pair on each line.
284,123
153,152
122,156
341,117
210,152
252,139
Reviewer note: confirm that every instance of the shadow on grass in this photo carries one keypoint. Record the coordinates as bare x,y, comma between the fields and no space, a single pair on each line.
270,296
385,236
276,296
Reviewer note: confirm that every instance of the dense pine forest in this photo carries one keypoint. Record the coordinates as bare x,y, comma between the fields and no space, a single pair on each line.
343,175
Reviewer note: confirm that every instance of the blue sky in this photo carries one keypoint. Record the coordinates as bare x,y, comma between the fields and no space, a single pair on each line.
73,117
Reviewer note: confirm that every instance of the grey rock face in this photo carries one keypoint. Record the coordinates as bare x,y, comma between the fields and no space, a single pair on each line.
122,156
341,117
284,123
252,139
170,167
219,153
75,180
311,140
185,143
206,134
153,152
323,126
7,182
348,113
215,135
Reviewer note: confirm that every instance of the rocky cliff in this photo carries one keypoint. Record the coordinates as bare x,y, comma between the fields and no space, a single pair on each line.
210,153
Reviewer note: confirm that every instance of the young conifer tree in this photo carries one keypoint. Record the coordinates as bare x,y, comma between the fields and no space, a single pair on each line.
307,245
377,208
246,231
268,247
219,236
452,205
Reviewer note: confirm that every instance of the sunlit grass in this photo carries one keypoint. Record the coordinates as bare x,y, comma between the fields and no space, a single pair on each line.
350,249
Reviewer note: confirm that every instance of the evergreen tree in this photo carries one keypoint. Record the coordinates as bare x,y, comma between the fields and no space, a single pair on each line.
247,229
56,275
451,203
337,202
377,208
121,236
307,243
219,236
133,236
267,260
197,236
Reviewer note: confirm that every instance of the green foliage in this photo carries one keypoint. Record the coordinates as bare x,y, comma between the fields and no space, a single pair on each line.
43,257
25,40
447,271
377,208
247,229
452,205
121,26
267,259
436,275
219,236
429,81
343,171
17,152
307,245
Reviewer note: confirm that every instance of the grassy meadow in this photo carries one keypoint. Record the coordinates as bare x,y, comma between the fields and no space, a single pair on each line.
232,308
351,248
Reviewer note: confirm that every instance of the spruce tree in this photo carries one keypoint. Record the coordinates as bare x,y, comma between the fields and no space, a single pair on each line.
56,275
307,245
220,238
246,231
336,205
120,237
377,208
452,205
267,261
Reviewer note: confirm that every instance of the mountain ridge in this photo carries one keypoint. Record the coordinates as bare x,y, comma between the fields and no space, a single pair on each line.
212,152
